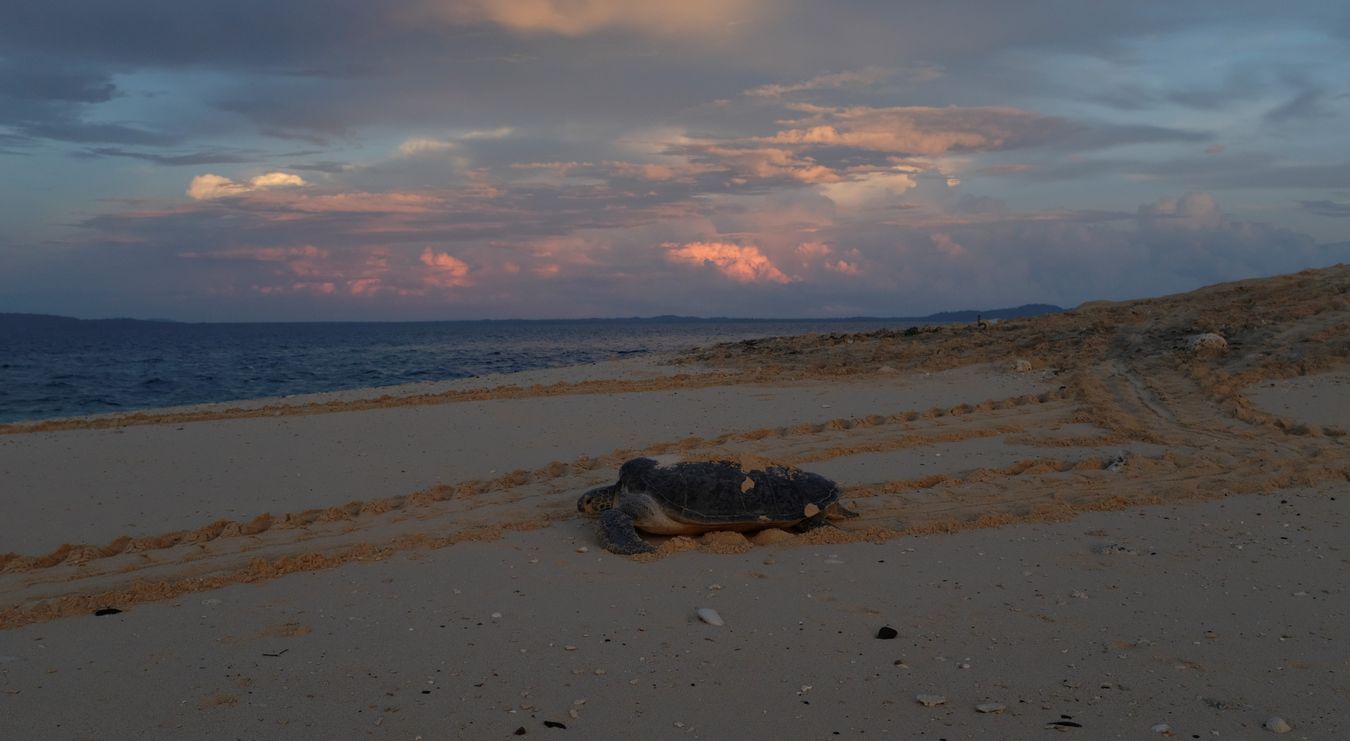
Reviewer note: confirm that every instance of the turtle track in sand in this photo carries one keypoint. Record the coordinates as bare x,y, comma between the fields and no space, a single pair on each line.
1126,383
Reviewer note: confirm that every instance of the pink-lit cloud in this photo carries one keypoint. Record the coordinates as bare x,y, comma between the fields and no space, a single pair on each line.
843,266
578,17
947,246
815,250
444,270
915,130
741,263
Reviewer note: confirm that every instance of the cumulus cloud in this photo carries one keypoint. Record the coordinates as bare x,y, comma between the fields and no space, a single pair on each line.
947,246
870,190
1192,211
815,249
578,17
210,186
444,270
741,263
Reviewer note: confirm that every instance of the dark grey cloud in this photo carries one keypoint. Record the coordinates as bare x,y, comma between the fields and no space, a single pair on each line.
1098,135
1221,171
1310,102
41,121
242,33
202,157
46,98
1249,171
52,80
1326,208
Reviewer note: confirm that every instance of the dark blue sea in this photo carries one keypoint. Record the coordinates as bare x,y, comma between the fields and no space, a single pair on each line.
55,367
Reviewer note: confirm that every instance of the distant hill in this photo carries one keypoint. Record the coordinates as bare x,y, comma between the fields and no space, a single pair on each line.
965,315
41,321
1013,313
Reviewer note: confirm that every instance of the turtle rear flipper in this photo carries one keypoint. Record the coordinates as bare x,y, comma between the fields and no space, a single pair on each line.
837,509
618,535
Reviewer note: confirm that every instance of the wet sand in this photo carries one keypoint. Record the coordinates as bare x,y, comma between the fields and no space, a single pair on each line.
347,529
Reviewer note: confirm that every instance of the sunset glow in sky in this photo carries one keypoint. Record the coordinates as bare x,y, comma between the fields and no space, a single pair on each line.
456,159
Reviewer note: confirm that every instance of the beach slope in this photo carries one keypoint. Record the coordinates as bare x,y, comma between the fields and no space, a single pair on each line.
1125,515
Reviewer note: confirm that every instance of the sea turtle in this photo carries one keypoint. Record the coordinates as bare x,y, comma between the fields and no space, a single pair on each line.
696,497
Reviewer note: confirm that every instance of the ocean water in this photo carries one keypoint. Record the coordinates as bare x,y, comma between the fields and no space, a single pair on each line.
57,368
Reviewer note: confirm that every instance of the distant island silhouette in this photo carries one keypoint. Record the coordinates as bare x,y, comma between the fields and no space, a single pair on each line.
40,321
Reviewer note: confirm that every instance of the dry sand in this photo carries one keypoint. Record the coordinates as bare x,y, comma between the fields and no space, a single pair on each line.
331,566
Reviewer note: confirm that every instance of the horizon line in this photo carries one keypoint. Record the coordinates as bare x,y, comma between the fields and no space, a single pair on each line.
1049,309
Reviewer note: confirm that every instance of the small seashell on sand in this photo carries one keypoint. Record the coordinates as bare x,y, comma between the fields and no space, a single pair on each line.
1276,724
710,616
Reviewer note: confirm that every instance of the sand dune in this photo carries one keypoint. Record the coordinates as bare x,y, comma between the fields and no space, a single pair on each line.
931,431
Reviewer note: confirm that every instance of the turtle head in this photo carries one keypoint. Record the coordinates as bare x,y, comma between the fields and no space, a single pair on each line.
598,500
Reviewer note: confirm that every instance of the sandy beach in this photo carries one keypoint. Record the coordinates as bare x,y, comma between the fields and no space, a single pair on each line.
1104,523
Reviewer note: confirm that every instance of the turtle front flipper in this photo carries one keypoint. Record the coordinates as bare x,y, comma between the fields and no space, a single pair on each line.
618,535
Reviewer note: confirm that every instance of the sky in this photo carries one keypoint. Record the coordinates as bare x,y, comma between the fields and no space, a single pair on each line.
462,159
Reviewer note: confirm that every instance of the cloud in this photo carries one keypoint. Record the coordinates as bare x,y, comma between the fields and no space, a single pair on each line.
500,132
918,130
1193,211
815,249
871,190
423,145
52,80
579,17
262,254
46,97
420,145
1326,208
862,147
1310,102
202,157
741,263
762,163
864,77
948,246
210,186
444,270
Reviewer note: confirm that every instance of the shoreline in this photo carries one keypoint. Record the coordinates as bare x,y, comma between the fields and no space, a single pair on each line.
632,368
